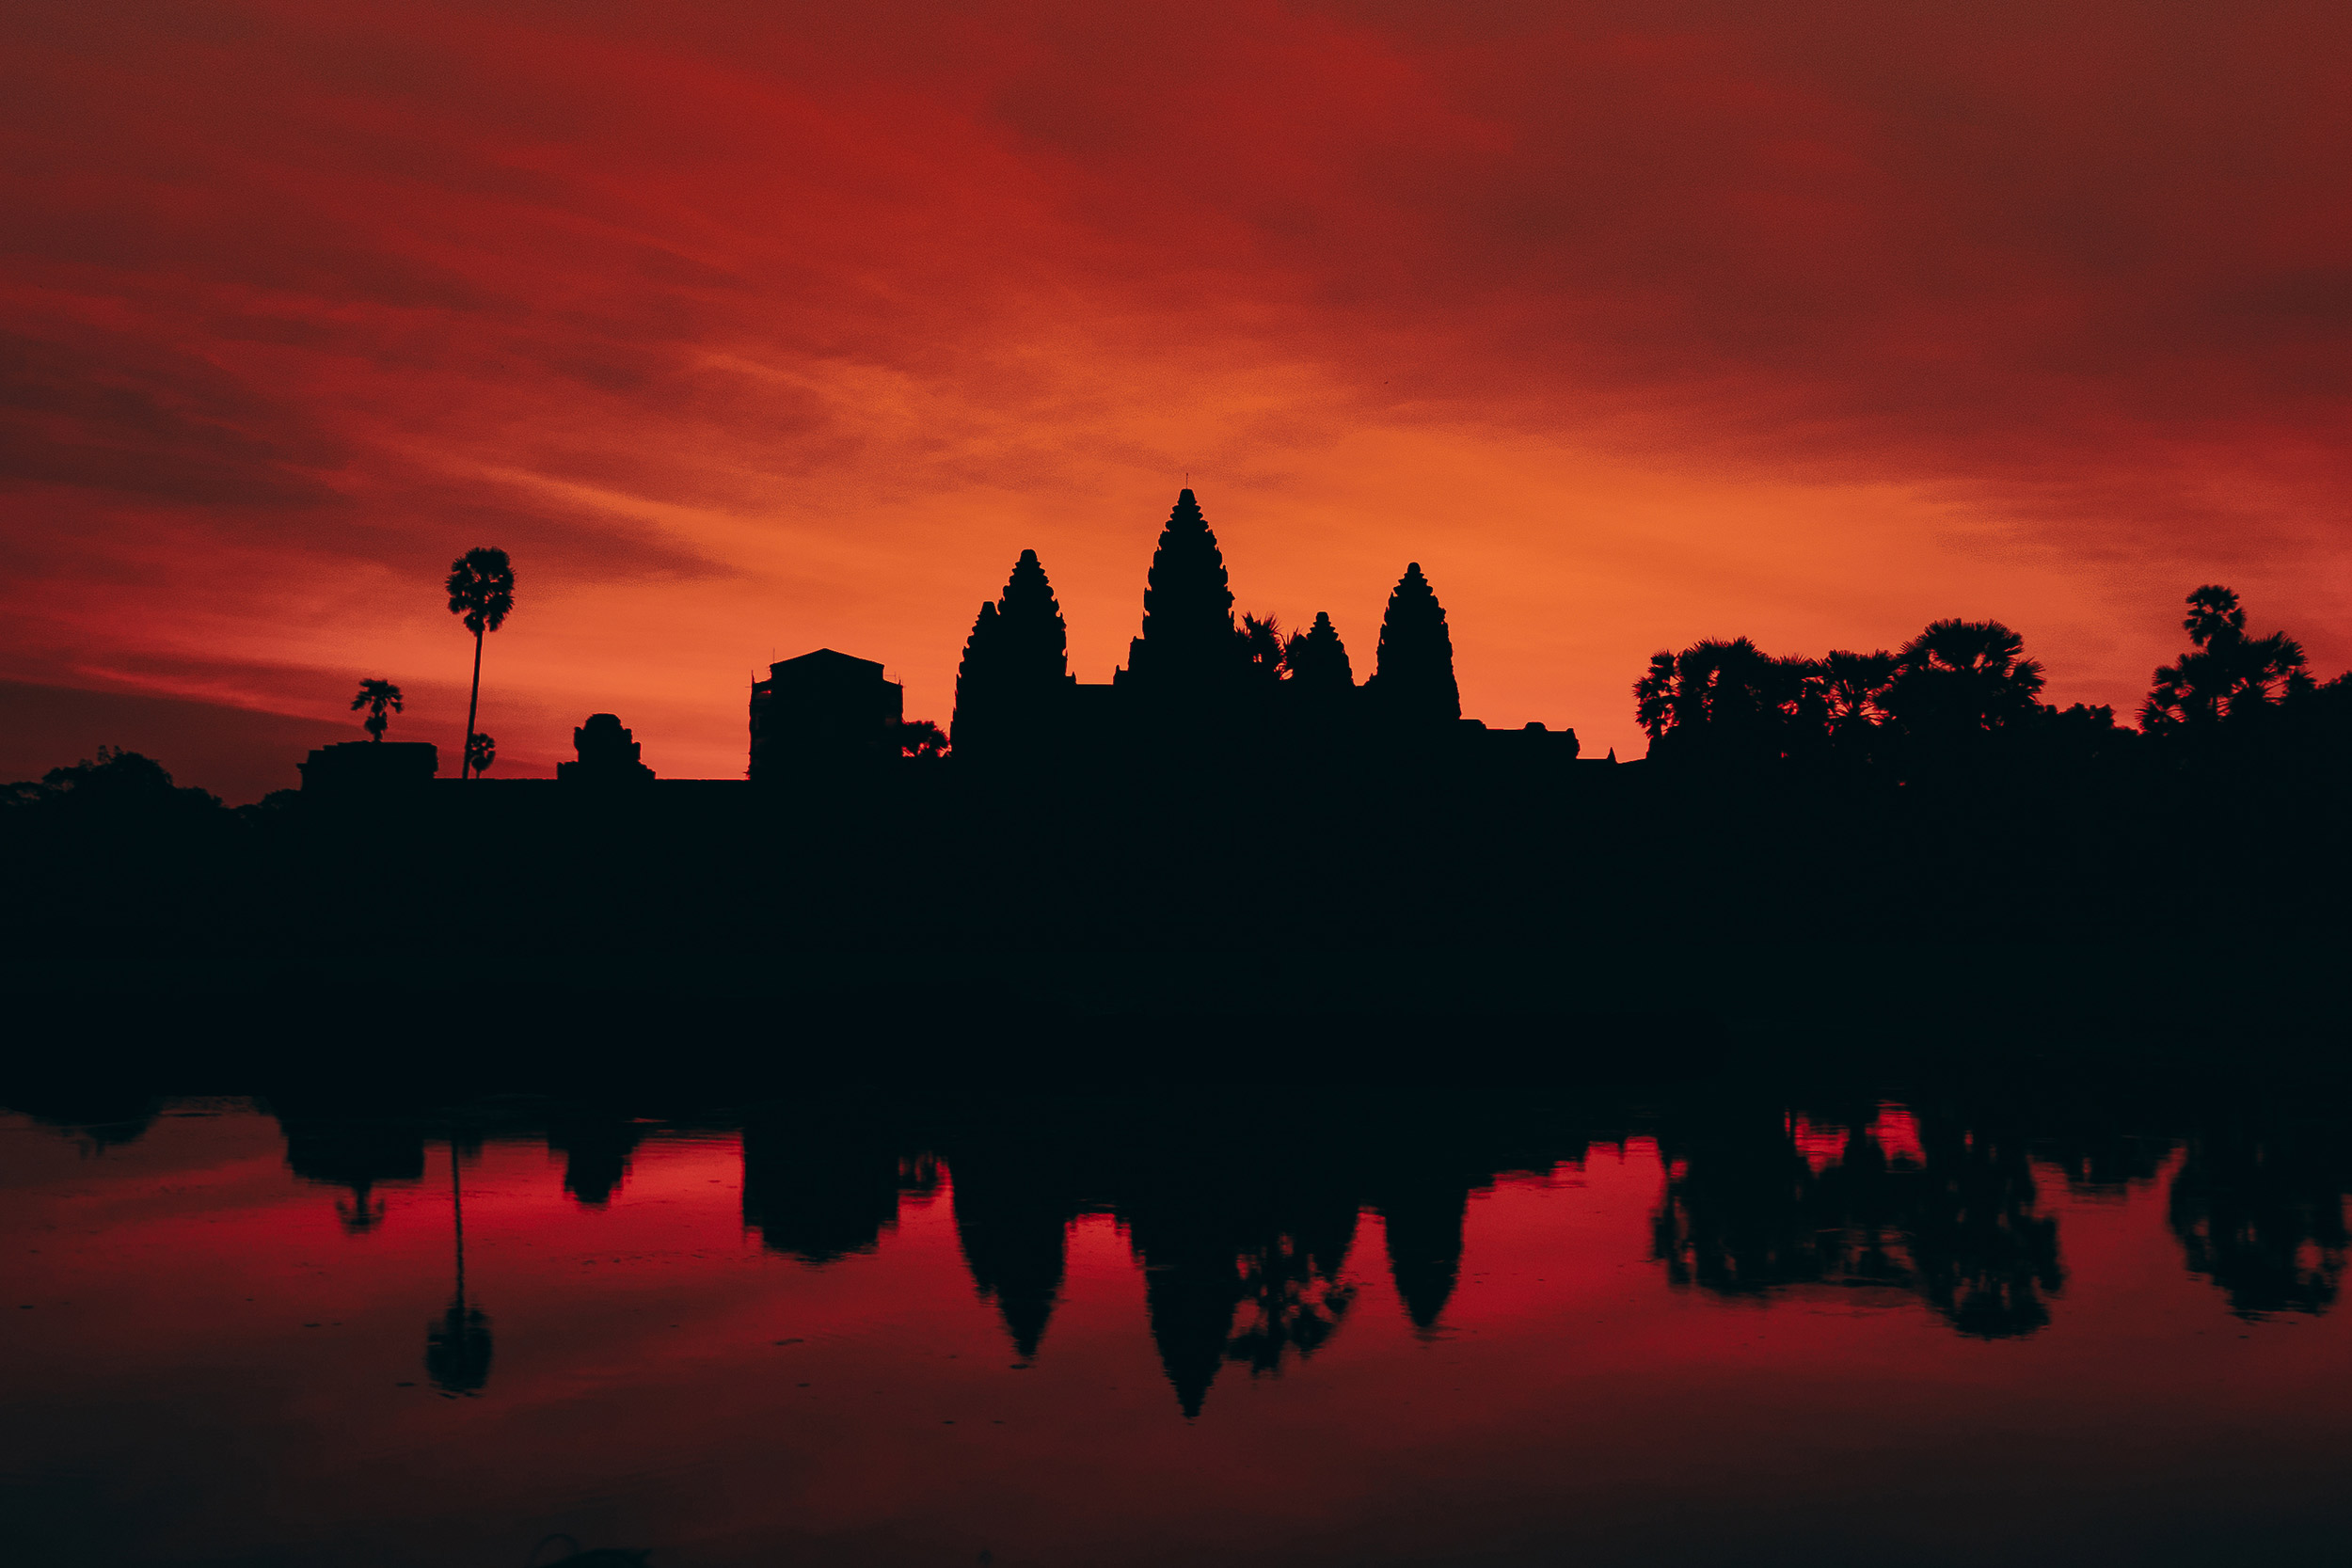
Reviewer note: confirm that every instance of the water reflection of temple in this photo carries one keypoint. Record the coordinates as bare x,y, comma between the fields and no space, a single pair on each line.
597,1142
1243,1233
819,1185
1245,1222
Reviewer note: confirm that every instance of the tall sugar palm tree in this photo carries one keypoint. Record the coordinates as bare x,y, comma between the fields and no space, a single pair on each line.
480,589
381,698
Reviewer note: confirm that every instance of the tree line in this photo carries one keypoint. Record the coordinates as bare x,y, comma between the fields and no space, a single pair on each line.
1960,693
1964,691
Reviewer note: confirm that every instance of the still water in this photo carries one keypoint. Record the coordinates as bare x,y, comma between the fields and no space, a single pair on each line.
1743,1331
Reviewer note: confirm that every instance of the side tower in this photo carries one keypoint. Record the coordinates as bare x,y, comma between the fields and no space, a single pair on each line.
823,713
1318,664
1319,702
1012,688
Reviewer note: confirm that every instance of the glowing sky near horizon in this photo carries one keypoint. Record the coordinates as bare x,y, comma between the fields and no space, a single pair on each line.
755,328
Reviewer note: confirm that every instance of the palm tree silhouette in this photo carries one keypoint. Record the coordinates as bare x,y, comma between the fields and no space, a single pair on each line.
1963,677
481,750
1854,686
1656,693
1261,639
480,589
922,739
1729,699
377,695
2229,674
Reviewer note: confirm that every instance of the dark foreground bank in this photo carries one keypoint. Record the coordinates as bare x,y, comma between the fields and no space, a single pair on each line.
1141,923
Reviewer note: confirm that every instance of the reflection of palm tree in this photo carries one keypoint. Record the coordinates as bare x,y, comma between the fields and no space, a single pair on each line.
1745,1213
480,589
2260,1213
457,1347
362,1211
1741,1214
1987,1256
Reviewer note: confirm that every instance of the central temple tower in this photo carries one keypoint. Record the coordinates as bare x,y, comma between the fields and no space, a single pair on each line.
1187,649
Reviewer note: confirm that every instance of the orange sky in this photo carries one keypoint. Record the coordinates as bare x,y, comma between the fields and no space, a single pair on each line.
752,328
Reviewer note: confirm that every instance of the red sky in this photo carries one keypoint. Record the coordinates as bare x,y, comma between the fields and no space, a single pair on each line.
752,328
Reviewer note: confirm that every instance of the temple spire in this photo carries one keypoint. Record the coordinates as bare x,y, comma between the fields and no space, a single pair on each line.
1317,658
1036,638
1413,681
1187,637
1015,664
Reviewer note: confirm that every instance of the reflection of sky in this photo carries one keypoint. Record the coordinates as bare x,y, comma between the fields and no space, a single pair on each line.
211,1366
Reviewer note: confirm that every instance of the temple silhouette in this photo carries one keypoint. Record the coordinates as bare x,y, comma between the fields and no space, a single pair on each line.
1197,683
1201,686
1205,690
